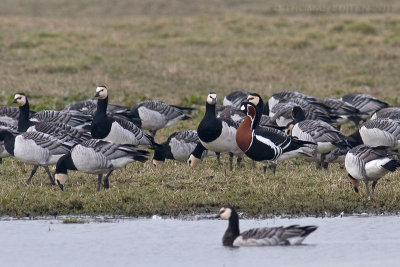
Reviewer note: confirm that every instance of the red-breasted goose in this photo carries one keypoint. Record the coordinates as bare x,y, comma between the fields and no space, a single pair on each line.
266,236
266,144
178,146
97,157
366,163
117,130
218,134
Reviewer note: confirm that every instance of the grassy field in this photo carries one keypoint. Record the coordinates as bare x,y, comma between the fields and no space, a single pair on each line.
58,51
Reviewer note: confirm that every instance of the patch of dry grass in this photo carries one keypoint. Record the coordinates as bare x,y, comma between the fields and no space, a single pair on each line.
147,50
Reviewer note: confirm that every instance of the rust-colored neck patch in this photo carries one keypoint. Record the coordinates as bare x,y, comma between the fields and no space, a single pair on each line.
244,134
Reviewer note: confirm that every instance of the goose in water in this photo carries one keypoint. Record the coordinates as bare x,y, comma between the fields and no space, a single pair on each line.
155,115
366,163
97,157
218,134
119,131
266,236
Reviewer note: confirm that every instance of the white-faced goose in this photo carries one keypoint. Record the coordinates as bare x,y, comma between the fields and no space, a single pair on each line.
266,236
119,131
97,157
35,148
155,115
285,97
381,132
218,134
366,163
365,103
266,144
178,146
324,135
387,113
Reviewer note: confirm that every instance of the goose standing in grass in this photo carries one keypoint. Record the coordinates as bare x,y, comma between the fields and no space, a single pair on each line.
218,134
119,131
365,103
155,115
178,146
381,132
366,163
97,157
266,236
35,148
266,144
324,135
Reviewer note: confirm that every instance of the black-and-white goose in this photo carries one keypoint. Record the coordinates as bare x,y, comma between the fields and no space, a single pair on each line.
117,130
381,132
285,96
178,146
155,115
366,163
266,144
35,148
235,98
97,157
324,135
218,134
365,103
387,113
266,236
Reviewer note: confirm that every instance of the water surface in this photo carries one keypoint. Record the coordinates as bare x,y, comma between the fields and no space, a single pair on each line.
347,241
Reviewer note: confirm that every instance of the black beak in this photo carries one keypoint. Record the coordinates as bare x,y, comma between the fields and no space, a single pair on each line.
97,94
356,189
15,101
60,185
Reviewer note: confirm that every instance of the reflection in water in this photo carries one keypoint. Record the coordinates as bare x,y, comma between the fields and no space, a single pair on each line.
347,241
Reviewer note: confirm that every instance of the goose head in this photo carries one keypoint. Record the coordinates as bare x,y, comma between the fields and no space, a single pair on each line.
212,98
225,213
355,183
158,158
20,99
60,179
101,92
193,161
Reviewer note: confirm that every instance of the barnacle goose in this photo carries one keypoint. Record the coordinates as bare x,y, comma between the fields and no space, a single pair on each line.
285,96
343,110
324,135
218,134
116,130
266,236
366,163
97,157
235,98
387,113
35,148
365,103
381,132
155,115
178,146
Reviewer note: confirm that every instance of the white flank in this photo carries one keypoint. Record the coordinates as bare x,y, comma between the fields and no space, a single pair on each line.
87,160
375,170
353,166
120,135
181,150
377,137
151,120
325,147
121,162
29,152
226,142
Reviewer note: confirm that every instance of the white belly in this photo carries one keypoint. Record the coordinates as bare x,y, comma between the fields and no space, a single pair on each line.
27,151
119,135
375,170
353,166
151,120
225,143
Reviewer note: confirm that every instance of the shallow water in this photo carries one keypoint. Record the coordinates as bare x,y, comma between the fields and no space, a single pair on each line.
347,241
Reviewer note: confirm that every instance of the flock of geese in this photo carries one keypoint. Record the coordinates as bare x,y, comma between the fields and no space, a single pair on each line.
97,137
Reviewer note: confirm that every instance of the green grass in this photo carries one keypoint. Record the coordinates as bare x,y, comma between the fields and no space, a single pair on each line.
178,53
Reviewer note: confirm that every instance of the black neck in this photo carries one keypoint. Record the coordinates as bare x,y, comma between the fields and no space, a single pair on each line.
198,150
210,127
9,141
23,119
355,139
159,153
64,164
102,106
233,229
298,114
